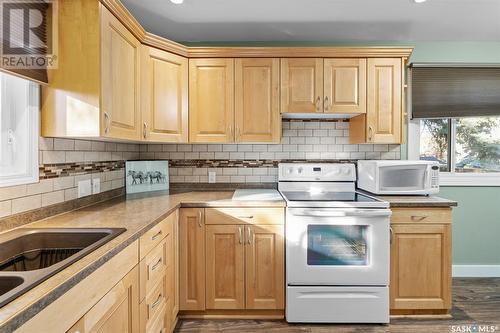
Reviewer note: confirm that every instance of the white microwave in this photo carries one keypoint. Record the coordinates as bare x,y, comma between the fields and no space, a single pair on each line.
398,177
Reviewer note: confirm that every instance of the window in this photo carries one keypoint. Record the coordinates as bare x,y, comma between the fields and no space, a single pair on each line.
467,149
19,113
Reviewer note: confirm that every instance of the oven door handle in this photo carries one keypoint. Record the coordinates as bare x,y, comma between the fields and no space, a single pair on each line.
341,213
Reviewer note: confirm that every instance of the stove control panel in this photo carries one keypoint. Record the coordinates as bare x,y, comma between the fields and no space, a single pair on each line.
326,172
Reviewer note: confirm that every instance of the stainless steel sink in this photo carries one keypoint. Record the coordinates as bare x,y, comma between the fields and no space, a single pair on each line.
30,256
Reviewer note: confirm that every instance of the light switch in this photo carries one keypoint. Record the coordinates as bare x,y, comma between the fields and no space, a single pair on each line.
84,188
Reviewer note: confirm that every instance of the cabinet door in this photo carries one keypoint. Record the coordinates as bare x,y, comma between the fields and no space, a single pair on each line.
257,115
192,259
120,59
301,85
164,96
211,100
225,281
384,107
265,267
345,85
117,311
421,266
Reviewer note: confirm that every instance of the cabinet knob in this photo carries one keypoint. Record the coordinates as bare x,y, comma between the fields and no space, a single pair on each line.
327,102
145,130
106,122
370,133
318,104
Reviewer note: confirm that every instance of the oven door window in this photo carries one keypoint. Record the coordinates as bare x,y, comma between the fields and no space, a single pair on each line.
337,245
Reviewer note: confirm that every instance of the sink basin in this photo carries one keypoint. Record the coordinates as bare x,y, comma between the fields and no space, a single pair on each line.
30,256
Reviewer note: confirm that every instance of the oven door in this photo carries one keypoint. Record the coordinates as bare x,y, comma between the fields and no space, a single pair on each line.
330,246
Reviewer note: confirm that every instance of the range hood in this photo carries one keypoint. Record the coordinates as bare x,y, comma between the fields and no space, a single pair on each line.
454,90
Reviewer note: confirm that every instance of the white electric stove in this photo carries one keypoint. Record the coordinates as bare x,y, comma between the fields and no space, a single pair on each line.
337,246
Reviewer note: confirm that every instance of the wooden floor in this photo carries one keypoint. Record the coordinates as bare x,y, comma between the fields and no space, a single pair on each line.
475,301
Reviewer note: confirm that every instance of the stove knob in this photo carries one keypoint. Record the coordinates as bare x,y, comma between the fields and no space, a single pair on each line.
346,171
289,170
300,170
336,171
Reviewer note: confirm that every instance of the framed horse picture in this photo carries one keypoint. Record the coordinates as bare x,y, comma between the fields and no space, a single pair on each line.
146,176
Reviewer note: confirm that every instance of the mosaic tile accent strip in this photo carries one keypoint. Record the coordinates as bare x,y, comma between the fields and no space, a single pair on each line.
71,169
244,163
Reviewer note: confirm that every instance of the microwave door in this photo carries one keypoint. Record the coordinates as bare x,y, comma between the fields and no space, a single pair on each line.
404,179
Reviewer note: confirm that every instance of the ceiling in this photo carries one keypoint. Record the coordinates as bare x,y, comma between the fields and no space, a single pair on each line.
347,21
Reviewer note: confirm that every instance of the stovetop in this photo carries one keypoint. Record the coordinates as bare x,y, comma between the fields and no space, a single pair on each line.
327,196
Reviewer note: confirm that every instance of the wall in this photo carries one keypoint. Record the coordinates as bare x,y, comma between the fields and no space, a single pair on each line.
476,220
63,163
257,163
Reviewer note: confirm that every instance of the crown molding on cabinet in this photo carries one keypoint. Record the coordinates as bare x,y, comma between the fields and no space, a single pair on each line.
121,12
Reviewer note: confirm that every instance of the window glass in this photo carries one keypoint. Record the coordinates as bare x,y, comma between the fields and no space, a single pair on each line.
19,108
434,141
477,144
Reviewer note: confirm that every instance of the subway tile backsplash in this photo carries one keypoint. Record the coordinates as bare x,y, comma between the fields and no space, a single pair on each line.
257,163
63,162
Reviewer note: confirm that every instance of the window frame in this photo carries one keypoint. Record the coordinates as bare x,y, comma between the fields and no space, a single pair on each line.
450,178
32,174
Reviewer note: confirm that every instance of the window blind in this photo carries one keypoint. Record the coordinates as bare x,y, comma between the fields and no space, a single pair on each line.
453,91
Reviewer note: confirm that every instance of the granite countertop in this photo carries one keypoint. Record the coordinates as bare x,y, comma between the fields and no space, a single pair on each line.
137,213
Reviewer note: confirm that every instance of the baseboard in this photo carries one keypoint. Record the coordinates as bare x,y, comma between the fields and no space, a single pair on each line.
476,271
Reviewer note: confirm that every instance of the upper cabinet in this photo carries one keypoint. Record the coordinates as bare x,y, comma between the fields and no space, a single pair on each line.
120,60
164,96
94,91
316,85
344,86
257,115
382,122
211,100
301,85
234,100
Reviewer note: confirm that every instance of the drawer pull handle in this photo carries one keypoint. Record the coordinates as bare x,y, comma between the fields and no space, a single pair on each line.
158,300
155,236
418,218
156,265
245,217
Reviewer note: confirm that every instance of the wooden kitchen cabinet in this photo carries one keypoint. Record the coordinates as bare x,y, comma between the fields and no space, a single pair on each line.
265,268
191,259
117,311
225,267
301,85
257,115
420,261
211,100
164,96
94,91
344,86
382,122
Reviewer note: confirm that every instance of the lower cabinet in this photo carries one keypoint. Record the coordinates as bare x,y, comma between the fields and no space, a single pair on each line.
240,266
117,311
420,261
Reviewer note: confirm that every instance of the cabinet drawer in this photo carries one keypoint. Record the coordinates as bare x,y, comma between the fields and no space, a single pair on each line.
242,215
154,236
153,267
421,215
157,324
154,303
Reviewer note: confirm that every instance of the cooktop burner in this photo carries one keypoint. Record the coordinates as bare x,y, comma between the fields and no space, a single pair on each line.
327,196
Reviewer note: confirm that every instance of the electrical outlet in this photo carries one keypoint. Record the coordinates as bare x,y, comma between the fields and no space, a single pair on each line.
211,177
84,188
96,185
